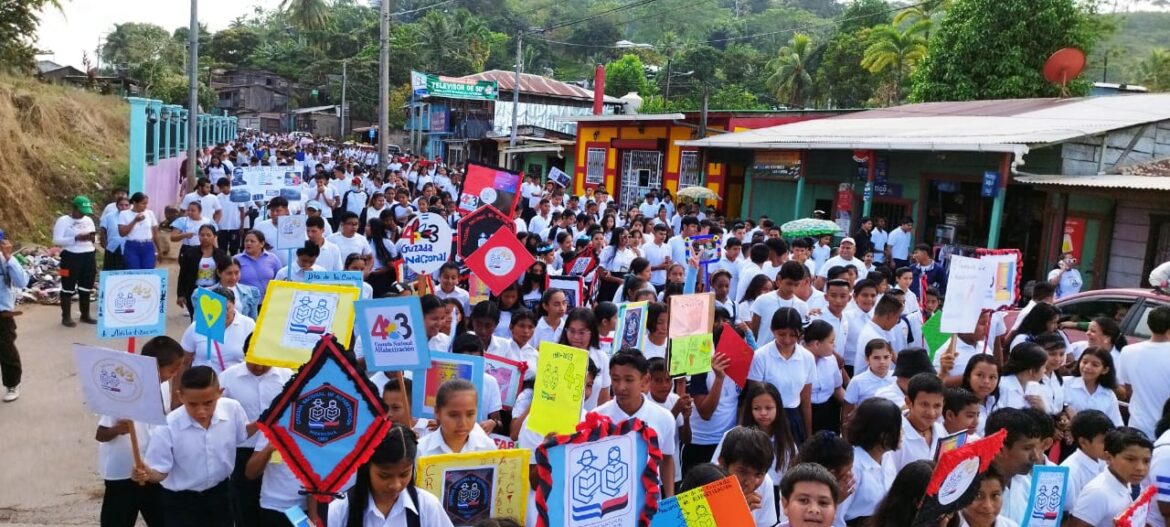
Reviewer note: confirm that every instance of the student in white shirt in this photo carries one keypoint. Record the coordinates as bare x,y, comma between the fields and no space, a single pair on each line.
989,500
1111,492
306,261
449,286
713,412
552,308
139,227
875,430
348,240
330,258
1088,431
456,411
789,367
582,332
1024,367
1021,451
784,296
384,493
1092,385
748,456
1143,370
879,356
254,387
124,499
921,427
856,317
808,495
630,376
231,220
748,270
967,345
196,451
491,402
886,315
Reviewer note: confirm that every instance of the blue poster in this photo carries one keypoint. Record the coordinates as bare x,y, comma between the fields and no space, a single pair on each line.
210,314
390,335
1046,503
132,303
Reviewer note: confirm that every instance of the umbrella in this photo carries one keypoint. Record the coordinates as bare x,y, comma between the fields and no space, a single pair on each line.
808,227
697,193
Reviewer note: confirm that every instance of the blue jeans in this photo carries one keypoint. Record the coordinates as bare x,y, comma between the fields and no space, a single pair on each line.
138,255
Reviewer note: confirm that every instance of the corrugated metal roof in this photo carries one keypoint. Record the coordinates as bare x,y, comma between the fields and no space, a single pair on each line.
624,117
537,85
999,126
1118,181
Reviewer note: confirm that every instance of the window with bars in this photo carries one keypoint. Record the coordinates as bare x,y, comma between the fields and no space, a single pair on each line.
689,174
595,166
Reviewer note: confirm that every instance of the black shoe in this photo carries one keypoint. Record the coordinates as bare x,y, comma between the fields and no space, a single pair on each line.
68,322
87,320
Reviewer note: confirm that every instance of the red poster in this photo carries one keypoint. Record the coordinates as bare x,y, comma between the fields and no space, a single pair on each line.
500,261
484,185
1074,236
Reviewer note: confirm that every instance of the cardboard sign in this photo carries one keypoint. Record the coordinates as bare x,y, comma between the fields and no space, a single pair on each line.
967,278
718,503
326,420
559,389
425,244
604,474
630,330
501,261
343,278
484,185
390,331
444,367
295,316
559,177
1006,267
509,374
691,315
474,229
691,355
120,384
933,335
949,443
583,263
573,286
709,247
1046,502
132,303
290,233
735,348
1137,511
210,314
478,485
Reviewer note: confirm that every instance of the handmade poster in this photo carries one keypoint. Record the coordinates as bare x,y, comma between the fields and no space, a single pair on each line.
691,314
484,185
210,314
503,442
583,263
425,244
709,247
631,325
955,480
474,229
295,316
736,349
573,286
559,177
119,384
508,373
1046,502
132,303
404,273
559,389
290,233
1136,513
345,278
443,367
968,278
717,503
691,355
1006,268
603,474
390,335
933,335
326,421
948,443
478,485
501,261
478,290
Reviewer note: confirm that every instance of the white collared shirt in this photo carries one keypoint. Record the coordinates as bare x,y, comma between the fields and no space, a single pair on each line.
231,349
459,294
1102,499
254,393
789,376
115,459
826,380
661,421
855,320
1011,393
964,353
766,306
602,382
1077,396
1081,470
1160,476
279,487
865,385
430,512
546,333
1145,366
1015,498
915,447
870,331
872,481
433,444
193,457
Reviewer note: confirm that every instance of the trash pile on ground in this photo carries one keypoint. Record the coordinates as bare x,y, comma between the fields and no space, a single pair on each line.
42,265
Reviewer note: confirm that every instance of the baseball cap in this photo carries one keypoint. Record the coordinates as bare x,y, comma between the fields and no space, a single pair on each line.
848,240
356,181
313,204
82,203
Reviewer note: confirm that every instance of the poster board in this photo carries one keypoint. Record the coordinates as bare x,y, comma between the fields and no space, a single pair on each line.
509,374
691,355
425,244
709,247
559,177
484,185
691,314
559,389
573,286
1046,500
631,325
132,303
119,384
501,261
1006,267
478,485
290,233
443,367
210,314
736,349
295,316
968,278
342,278
475,228
389,329
603,474
717,503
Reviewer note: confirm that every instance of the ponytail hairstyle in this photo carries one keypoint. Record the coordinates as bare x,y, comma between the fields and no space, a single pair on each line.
1109,328
788,318
398,445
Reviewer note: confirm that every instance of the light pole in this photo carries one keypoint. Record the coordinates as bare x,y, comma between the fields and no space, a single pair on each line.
193,94
344,80
383,85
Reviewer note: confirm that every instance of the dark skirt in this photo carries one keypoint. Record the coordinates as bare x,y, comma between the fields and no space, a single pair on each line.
827,416
796,424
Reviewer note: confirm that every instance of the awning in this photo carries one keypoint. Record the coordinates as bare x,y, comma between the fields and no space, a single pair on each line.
1114,181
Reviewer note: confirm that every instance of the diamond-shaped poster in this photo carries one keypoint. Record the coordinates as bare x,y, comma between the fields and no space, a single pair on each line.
326,421
474,229
501,260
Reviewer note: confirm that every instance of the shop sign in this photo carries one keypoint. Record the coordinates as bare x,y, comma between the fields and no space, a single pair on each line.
887,190
777,164
990,185
427,85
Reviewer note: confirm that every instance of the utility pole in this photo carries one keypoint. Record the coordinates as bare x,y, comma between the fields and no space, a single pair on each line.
516,92
193,95
344,79
383,86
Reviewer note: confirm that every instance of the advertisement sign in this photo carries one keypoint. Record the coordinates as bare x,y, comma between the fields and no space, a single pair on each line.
426,85
777,164
1074,236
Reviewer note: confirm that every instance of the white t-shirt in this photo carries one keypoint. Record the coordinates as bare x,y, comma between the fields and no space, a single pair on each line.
430,512
709,432
869,332
230,218
355,245
789,376
1145,366
1102,499
835,261
915,447
656,254
279,487
254,392
661,421
66,231
767,305
1081,470
143,231
872,480
1159,475
865,385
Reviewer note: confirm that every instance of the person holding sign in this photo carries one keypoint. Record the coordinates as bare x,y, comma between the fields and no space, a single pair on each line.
306,261
581,333
228,353
384,493
456,411
139,227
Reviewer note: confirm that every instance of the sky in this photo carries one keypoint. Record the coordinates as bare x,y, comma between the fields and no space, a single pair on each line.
80,24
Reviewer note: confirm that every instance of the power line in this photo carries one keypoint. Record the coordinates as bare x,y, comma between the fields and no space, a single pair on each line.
424,8
631,5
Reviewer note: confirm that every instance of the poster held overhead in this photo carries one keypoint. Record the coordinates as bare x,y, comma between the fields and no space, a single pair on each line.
691,314
484,185
970,279
388,330
426,243
559,389
500,261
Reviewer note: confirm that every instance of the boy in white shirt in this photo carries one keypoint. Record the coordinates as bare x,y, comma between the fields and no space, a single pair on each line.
1020,452
254,387
920,424
1128,452
195,453
1088,430
766,305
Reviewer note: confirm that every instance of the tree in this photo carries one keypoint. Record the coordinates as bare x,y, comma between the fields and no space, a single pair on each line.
863,14
992,49
307,14
456,43
893,49
839,79
790,78
1153,72
18,29
921,16
626,75
233,46
147,51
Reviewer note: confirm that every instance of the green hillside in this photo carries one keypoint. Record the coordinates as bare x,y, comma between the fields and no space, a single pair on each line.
1135,36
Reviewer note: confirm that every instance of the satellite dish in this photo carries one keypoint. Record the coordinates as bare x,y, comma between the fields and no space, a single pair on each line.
1064,65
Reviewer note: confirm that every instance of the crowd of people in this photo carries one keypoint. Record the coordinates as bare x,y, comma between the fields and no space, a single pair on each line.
838,422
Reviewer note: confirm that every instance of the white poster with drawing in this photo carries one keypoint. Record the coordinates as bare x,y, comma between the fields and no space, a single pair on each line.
120,384
290,233
968,280
310,317
602,477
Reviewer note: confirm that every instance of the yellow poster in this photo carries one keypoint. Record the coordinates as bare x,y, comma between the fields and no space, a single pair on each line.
559,390
478,485
295,316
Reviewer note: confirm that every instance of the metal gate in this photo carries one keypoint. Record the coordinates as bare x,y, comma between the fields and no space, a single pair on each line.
641,172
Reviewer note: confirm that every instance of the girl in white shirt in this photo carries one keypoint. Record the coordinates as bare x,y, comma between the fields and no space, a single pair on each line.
581,332
657,322
982,379
875,430
1051,384
456,411
1092,383
1025,365
759,285
384,493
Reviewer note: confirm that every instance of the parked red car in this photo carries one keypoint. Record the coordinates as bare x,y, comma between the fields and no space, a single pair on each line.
1129,307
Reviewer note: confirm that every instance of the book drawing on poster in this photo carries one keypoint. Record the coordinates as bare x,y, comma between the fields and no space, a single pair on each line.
475,486
120,384
132,303
1046,502
601,489
295,316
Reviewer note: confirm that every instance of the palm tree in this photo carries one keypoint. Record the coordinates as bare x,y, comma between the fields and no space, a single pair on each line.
307,14
890,48
790,78
921,16
1154,70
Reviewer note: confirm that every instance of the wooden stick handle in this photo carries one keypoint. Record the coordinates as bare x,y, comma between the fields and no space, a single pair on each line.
138,463
405,397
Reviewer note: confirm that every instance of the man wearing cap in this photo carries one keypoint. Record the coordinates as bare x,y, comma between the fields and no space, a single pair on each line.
75,234
844,258
12,277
